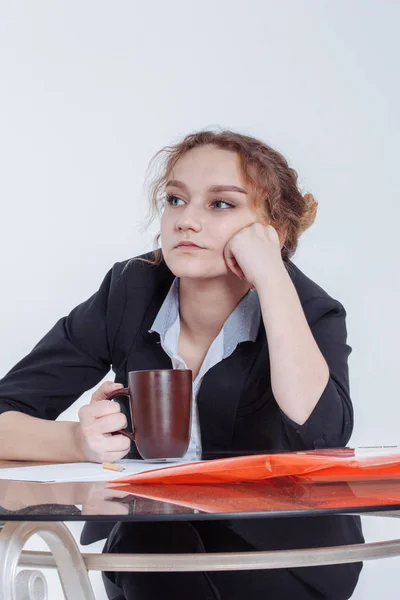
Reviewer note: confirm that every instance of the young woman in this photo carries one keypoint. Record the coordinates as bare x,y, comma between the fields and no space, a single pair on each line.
267,347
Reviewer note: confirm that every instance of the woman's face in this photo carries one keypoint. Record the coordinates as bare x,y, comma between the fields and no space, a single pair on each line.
206,204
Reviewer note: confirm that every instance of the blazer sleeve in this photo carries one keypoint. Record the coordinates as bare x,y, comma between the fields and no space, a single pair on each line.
331,422
71,358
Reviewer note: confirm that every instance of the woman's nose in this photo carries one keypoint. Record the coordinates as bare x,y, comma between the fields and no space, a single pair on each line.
189,219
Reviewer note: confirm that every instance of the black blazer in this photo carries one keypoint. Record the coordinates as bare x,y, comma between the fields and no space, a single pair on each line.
237,410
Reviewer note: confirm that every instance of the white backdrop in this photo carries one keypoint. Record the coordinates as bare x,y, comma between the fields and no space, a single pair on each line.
90,90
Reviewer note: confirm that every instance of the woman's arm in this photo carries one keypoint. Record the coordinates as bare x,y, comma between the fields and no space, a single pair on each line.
28,438
71,358
299,371
306,342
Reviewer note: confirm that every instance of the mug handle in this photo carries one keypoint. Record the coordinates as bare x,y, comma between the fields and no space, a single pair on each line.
125,432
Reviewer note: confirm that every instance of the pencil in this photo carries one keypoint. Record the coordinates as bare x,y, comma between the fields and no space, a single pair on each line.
113,467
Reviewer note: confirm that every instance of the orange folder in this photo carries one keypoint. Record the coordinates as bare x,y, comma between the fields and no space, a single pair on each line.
341,464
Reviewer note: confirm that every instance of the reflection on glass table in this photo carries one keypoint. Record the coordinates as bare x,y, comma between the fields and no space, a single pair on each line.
275,497
27,508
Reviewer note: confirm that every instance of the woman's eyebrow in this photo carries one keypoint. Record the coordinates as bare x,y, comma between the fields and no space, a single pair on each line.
213,188
226,188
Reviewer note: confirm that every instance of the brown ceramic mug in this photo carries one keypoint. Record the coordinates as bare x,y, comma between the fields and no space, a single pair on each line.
160,405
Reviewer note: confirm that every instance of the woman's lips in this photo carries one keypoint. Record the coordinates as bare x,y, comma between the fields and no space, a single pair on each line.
188,247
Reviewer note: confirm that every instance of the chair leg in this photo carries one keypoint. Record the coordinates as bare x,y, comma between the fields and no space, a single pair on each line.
72,571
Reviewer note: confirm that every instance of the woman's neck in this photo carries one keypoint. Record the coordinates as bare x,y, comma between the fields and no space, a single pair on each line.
204,305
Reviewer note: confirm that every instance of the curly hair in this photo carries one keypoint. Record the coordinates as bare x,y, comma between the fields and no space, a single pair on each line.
272,184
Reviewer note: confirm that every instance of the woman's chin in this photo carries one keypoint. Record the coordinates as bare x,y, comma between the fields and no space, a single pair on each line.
195,267
195,274
193,270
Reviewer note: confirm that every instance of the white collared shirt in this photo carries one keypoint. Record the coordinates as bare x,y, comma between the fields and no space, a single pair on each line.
242,325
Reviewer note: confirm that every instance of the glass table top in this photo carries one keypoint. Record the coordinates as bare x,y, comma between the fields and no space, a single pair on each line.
279,497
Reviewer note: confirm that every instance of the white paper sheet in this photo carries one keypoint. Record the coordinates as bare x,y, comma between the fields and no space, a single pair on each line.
79,471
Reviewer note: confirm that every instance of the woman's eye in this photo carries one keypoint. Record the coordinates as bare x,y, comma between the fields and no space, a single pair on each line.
174,200
222,204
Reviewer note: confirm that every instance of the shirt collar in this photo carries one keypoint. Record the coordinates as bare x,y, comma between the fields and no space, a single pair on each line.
242,325
168,312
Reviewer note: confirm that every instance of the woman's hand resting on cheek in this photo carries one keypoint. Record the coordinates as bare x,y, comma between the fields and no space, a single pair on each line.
252,252
97,421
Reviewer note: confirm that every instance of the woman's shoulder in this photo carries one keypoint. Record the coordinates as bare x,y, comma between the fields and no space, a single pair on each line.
139,271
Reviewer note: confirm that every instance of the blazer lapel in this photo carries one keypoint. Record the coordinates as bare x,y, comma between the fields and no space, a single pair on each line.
147,352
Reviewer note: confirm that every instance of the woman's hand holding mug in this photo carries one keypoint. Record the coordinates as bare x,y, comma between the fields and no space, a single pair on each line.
97,423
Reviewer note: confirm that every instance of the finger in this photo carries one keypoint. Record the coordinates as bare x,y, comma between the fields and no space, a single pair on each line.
89,413
102,408
111,423
231,262
234,267
106,388
117,443
112,456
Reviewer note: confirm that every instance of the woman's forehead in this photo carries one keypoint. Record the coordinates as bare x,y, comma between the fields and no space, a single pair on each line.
208,165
